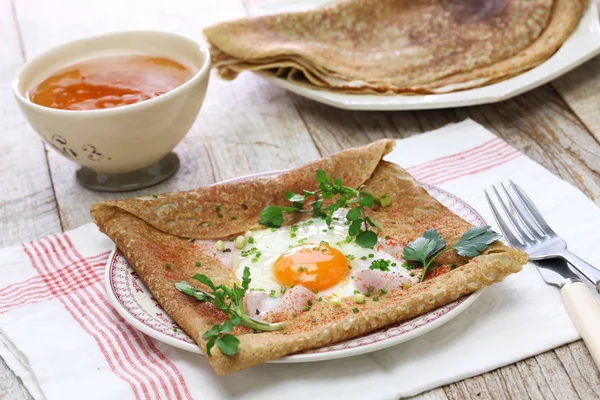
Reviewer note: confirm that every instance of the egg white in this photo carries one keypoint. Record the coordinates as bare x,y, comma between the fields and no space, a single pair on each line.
271,243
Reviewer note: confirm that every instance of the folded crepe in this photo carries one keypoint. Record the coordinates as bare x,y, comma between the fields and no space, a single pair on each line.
153,231
397,46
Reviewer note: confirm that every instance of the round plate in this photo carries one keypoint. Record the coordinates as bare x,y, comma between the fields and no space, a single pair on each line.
134,302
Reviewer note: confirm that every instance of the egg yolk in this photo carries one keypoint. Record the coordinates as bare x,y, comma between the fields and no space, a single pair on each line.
313,266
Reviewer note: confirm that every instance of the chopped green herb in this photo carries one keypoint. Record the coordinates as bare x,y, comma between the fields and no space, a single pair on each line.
198,263
350,256
355,310
385,200
309,302
240,242
155,196
219,215
380,264
359,298
231,239
217,207
320,299
407,266
387,237
375,298
234,218
168,265
294,315
313,320
251,240
452,267
273,294
282,290
371,255
363,258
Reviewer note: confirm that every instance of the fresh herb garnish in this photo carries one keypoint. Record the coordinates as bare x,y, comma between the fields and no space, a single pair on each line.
380,264
231,302
428,248
344,197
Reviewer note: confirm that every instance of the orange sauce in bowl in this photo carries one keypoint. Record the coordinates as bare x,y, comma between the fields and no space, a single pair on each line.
110,81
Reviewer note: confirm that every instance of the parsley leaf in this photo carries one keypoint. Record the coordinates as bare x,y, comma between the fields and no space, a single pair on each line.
430,246
353,214
228,344
422,248
366,239
293,197
271,217
230,300
475,240
321,177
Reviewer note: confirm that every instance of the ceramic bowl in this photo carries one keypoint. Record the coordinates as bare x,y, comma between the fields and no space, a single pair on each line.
121,139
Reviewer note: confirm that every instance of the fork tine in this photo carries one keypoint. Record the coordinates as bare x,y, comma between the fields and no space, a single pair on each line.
508,234
520,214
513,219
535,213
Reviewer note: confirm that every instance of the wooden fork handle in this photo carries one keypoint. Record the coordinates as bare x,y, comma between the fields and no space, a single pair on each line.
585,313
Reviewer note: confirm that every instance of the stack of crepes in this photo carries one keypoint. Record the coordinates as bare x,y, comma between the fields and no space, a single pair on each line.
397,46
153,231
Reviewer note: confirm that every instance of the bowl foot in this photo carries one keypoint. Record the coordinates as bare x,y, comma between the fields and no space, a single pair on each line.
139,179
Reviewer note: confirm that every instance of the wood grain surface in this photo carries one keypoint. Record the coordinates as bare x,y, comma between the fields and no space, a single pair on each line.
249,126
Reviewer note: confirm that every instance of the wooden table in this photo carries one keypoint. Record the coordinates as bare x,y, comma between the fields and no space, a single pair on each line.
248,126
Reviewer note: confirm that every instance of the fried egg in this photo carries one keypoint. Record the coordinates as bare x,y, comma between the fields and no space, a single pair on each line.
321,258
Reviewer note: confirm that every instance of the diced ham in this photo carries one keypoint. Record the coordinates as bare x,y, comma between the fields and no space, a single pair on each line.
277,309
225,256
256,302
381,280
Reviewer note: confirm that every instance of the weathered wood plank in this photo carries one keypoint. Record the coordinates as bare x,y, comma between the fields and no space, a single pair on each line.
581,369
27,206
581,90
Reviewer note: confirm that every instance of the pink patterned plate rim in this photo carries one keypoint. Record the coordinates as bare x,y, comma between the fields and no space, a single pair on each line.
134,302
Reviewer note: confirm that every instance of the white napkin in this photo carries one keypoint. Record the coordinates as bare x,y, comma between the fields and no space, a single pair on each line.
63,339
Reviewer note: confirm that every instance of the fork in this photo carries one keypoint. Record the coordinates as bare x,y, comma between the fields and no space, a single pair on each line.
533,234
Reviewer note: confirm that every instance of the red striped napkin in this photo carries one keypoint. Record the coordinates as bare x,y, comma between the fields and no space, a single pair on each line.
61,336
